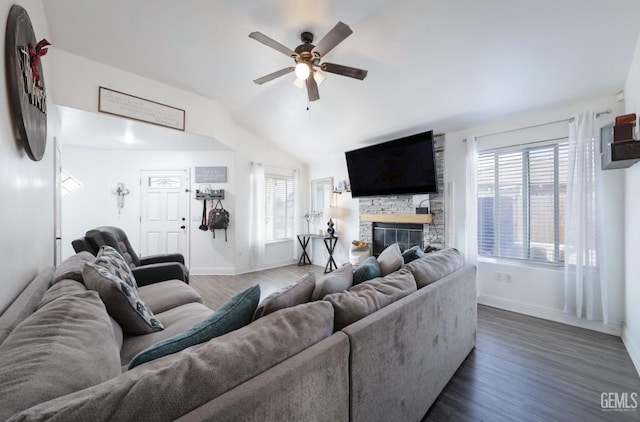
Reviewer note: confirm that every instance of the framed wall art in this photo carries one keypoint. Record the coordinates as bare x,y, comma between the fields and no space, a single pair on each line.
136,108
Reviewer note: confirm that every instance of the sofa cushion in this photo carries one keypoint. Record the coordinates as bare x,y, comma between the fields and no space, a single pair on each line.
71,268
120,296
61,288
435,265
292,295
234,314
366,298
336,281
390,259
174,320
174,385
367,270
411,254
65,346
166,295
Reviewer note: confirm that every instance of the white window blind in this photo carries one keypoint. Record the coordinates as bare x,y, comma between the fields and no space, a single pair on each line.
521,202
279,207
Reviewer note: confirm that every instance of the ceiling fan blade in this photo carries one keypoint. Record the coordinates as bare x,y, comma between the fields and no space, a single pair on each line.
334,37
352,72
312,89
270,42
272,76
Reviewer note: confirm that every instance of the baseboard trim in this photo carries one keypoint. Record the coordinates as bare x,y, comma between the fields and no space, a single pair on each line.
270,265
212,271
613,327
632,348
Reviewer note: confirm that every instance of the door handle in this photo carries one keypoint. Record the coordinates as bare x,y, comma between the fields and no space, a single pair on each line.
183,227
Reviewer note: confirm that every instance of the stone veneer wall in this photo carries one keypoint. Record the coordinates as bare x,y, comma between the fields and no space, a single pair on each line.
434,233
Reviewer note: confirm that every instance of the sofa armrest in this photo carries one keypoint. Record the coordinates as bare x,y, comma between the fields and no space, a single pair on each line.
154,273
155,259
433,329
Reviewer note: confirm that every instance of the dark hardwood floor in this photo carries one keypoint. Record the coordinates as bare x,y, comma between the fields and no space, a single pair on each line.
529,369
522,369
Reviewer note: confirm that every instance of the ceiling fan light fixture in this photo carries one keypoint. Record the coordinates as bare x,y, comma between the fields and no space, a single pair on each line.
299,83
319,76
302,71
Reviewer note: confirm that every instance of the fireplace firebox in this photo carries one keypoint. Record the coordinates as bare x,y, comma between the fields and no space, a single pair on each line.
405,234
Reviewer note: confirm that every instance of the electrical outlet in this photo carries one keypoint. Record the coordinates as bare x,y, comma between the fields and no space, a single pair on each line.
503,277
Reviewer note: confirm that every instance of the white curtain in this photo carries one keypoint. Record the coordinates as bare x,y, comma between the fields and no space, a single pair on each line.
257,217
471,203
296,210
585,289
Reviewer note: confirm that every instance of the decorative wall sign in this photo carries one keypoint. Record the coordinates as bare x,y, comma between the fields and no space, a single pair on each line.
136,108
25,80
211,174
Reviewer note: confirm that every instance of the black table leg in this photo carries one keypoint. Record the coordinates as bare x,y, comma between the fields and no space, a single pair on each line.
304,257
330,244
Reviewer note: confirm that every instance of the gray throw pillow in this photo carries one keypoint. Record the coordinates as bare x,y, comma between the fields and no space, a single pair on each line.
366,298
292,295
234,314
367,270
111,277
336,281
435,265
390,259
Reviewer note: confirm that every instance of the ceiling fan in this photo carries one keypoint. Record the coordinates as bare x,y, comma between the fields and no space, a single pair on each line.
307,58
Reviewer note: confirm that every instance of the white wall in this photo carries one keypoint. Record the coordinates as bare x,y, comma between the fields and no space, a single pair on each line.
538,290
26,187
76,81
631,334
348,226
94,204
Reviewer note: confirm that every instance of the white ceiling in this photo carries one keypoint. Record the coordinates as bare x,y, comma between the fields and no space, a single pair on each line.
433,64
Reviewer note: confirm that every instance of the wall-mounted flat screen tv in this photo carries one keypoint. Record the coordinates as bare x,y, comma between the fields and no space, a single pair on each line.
402,166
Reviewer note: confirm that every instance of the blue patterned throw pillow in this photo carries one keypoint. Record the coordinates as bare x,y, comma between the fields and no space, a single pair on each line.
234,314
110,276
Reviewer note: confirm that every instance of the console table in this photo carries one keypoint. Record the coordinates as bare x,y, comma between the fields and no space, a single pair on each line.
329,243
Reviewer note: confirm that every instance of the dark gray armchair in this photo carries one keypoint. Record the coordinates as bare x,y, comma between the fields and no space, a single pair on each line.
146,270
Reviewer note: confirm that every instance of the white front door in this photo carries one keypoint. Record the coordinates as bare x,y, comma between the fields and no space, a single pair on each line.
163,221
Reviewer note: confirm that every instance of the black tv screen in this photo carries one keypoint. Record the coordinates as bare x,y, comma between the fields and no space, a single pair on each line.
402,166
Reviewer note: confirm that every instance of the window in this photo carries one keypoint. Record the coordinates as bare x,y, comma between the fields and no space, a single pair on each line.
68,183
279,207
521,202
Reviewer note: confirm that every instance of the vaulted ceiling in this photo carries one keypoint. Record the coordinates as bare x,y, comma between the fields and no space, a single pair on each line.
433,64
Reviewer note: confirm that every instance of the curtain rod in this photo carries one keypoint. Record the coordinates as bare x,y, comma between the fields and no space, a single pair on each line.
598,114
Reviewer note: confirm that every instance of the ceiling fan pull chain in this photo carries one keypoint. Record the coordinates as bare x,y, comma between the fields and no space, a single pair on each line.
309,109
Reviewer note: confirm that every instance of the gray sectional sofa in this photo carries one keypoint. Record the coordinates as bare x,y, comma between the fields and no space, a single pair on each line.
62,357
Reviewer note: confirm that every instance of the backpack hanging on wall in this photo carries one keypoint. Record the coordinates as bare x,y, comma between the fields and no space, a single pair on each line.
218,219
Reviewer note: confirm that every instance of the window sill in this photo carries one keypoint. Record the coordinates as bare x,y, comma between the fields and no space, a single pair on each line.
521,263
272,242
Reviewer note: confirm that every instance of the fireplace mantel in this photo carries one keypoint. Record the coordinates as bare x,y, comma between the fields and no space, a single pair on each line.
397,218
